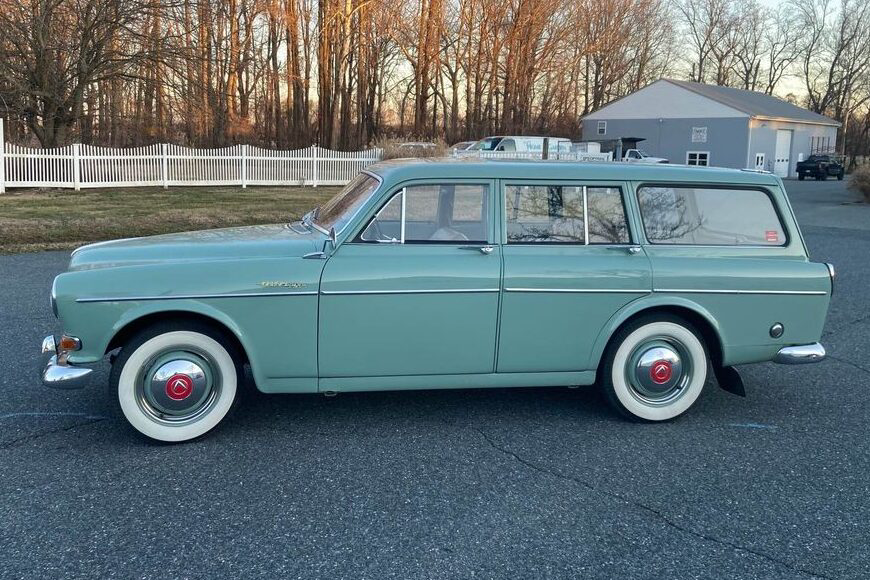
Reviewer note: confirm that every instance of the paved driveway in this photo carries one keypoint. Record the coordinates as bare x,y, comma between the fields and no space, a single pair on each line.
521,483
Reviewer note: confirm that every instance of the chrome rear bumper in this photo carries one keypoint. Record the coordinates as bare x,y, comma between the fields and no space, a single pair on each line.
800,354
58,373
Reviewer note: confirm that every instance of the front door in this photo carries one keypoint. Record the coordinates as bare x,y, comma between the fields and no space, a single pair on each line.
783,152
416,291
569,265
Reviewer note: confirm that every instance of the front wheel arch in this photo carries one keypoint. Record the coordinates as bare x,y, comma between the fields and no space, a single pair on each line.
178,317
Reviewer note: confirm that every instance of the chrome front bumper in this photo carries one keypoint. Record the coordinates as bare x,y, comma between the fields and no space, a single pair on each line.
800,354
58,373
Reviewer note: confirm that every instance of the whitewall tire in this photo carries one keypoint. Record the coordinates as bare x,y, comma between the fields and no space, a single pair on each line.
175,385
655,369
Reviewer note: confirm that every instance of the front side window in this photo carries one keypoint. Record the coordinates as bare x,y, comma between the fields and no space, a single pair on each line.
567,214
709,216
437,213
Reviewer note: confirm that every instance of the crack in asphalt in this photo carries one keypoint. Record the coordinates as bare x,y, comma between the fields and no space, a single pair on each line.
849,363
32,437
649,509
858,320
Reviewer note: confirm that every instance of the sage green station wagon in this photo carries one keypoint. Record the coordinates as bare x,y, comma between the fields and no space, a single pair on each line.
454,274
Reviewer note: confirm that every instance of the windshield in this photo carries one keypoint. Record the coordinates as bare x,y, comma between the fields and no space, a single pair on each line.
643,153
488,144
339,210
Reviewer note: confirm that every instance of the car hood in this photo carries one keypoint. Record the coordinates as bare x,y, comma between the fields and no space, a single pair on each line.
263,241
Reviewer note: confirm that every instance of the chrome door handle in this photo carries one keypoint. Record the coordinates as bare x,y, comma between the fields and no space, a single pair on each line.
481,249
630,249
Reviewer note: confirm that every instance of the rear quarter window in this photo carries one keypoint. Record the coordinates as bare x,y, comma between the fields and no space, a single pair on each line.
709,216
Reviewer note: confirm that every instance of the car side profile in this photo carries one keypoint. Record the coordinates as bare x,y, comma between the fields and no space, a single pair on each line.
435,274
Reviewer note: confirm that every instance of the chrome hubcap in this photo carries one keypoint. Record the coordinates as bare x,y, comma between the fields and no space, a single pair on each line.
658,370
178,386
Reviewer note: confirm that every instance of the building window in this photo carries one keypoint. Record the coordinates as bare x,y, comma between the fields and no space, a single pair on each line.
700,158
709,216
602,127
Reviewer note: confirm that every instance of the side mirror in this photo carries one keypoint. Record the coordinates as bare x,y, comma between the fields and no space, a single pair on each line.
328,247
329,244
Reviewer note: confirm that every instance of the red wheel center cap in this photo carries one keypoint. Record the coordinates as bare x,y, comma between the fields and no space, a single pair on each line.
179,387
661,372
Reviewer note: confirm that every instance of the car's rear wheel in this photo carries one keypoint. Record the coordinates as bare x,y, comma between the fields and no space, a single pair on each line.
840,176
800,176
655,368
176,384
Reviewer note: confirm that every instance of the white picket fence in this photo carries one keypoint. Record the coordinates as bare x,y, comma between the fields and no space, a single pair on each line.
80,166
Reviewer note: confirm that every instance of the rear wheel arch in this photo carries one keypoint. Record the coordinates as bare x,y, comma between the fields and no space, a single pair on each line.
694,314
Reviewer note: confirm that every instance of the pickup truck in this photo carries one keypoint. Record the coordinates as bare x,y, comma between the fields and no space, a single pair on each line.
640,156
820,167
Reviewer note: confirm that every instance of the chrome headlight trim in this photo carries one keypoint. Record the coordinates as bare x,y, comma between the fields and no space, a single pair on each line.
53,299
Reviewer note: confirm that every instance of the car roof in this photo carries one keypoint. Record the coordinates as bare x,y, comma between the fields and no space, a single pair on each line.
449,167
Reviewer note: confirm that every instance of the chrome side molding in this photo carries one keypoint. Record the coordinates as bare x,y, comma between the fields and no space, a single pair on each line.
833,273
800,354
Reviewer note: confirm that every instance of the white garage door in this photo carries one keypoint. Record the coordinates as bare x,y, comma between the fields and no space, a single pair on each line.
783,150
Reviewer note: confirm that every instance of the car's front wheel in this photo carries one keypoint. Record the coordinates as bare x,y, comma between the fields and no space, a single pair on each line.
655,368
175,384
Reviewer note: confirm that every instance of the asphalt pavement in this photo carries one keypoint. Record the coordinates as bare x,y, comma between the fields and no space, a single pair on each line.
502,483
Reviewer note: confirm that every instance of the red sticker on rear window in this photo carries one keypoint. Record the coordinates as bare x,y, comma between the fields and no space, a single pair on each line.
771,236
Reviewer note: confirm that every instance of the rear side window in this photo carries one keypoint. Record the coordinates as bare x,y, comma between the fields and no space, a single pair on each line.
709,216
565,214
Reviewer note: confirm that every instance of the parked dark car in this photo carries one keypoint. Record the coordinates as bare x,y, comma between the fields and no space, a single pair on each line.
821,166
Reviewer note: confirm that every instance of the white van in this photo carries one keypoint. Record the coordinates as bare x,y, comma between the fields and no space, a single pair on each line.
522,144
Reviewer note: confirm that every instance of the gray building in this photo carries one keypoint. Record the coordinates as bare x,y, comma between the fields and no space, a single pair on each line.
700,124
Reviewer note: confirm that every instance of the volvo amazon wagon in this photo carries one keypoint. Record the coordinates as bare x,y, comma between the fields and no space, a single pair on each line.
422,274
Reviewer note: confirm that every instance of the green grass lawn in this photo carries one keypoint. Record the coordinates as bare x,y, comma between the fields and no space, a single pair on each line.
33,220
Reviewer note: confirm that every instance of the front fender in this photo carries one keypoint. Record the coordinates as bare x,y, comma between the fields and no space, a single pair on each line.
122,314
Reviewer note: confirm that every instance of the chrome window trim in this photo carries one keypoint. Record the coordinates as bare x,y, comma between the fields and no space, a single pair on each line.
709,291
194,296
586,216
580,290
421,291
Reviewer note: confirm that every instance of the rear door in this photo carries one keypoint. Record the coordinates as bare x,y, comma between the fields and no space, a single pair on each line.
569,264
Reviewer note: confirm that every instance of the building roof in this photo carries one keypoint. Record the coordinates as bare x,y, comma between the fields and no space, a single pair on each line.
755,104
